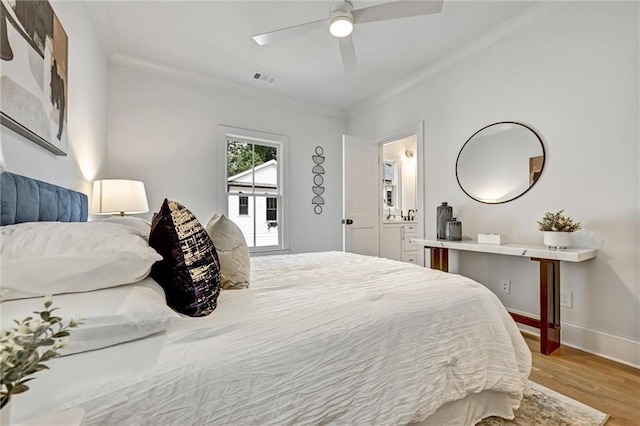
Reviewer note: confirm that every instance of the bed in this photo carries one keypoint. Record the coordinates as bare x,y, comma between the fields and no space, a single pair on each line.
318,338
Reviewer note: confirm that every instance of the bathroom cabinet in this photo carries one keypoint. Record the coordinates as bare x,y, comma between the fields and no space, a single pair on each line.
394,241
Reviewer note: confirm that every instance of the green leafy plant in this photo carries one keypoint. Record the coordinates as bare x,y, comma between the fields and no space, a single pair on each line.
558,222
25,348
242,156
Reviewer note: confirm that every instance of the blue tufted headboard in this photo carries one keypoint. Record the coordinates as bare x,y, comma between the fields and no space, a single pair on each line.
23,199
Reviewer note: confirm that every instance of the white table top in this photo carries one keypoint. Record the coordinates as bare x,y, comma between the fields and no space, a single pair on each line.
525,250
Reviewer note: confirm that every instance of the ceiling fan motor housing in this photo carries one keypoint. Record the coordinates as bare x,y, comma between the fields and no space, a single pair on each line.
341,23
341,20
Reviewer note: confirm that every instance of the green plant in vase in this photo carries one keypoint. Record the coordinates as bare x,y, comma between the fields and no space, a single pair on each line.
557,229
25,349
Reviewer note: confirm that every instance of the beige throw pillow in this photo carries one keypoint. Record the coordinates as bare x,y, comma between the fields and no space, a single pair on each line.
233,253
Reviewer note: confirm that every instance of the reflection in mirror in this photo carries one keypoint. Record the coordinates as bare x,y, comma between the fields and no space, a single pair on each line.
388,174
389,196
399,181
500,162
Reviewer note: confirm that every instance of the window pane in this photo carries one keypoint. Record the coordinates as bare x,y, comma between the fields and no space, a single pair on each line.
266,229
243,206
240,164
252,168
267,174
239,157
244,221
272,210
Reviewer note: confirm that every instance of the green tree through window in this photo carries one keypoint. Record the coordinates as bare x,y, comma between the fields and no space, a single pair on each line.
242,156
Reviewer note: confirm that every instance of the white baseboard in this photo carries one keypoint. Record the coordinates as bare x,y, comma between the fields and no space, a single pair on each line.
605,345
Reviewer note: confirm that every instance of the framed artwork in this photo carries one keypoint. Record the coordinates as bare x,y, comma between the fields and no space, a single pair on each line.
535,168
33,73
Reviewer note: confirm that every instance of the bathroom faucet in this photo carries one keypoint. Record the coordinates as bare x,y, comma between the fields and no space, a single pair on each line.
411,216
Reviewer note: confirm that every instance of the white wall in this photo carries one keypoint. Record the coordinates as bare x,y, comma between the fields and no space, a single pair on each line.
87,121
163,131
572,76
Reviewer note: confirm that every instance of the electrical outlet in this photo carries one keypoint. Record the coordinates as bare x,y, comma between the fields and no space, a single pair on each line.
566,299
505,286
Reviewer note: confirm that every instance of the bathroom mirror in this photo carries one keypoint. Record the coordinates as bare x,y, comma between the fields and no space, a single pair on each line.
500,162
398,175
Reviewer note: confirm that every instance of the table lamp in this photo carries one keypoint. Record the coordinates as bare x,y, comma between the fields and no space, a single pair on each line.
118,196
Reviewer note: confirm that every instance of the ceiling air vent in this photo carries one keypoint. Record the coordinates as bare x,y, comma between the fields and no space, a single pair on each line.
264,77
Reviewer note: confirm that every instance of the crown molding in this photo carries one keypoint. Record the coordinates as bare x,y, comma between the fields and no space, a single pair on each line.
505,30
223,85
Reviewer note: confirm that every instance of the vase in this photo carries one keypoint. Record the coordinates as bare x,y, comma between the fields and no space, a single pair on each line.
444,214
556,240
453,231
5,414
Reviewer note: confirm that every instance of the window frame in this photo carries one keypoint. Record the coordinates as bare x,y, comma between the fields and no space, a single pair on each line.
226,133
271,209
241,205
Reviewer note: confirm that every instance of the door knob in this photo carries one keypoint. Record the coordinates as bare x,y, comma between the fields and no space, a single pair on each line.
347,221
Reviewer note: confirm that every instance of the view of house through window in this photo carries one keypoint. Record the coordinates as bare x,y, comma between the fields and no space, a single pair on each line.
252,190
272,209
243,205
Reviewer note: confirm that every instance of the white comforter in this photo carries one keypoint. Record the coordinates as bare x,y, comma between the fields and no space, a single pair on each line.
318,338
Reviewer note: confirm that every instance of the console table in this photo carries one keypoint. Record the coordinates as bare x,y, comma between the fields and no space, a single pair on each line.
549,260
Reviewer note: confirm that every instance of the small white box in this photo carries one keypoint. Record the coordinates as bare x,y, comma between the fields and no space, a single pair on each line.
492,239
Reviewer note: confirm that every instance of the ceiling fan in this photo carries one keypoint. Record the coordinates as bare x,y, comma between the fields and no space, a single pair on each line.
342,20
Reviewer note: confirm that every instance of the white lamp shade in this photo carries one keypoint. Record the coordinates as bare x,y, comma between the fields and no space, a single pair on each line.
118,196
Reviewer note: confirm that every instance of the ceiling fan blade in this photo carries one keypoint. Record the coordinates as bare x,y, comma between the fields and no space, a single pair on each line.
396,9
276,35
348,52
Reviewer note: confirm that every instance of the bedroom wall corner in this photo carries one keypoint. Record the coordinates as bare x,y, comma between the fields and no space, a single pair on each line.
573,76
163,130
87,121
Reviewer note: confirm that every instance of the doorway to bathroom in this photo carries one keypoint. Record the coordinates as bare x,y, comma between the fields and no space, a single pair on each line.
401,198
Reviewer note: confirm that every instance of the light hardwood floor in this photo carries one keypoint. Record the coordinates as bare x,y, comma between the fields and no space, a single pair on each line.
605,385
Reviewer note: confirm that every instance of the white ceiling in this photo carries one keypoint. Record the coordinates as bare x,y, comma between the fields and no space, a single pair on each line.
214,38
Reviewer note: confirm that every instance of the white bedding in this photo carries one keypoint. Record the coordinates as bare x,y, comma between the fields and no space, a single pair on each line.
318,338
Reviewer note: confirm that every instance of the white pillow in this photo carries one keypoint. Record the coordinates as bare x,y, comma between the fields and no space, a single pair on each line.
141,225
110,316
40,258
233,254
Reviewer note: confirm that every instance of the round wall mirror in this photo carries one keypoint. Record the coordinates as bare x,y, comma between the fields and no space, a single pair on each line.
500,162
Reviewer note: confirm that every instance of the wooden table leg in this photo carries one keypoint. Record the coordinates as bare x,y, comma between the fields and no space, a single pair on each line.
549,305
440,258
549,322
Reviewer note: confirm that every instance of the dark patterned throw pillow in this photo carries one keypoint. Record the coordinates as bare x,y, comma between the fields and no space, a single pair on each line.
190,269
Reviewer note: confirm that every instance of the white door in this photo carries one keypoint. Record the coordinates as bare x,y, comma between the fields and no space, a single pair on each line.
360,196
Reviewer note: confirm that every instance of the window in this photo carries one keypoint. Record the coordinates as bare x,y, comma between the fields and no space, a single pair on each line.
388,195
254,193
272,209
243,206
388,172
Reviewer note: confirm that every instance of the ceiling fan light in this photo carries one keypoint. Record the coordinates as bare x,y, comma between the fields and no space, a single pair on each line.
341,24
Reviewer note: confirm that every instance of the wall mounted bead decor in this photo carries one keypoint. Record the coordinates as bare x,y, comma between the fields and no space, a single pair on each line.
318,180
